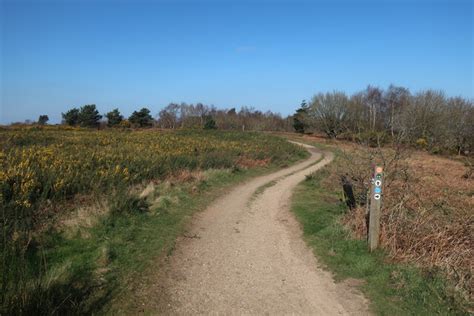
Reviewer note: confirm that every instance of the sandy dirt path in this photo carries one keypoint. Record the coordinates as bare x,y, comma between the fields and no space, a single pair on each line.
246,255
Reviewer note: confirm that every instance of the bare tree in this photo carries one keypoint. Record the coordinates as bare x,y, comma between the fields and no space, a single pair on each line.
397,98
374,101
168,117
330,112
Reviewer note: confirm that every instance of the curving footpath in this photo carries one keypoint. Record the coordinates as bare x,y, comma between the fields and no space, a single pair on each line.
245,255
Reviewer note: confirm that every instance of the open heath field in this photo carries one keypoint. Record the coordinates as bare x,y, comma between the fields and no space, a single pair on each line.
40,164
426,233
81,209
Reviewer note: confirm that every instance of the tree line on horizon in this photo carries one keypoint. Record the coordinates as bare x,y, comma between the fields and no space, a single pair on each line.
426,119
174,116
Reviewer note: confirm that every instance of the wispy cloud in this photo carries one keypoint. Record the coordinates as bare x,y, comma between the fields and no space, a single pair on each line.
245,49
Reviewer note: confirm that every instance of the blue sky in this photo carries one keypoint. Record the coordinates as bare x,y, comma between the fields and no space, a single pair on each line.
267,54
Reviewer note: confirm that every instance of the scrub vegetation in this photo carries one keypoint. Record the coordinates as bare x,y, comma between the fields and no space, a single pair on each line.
424,264
87,203
427,120
83,210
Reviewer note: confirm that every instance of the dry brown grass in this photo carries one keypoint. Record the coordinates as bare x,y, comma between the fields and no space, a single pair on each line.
428,207
246,163
430,219
80,216
187,176
85,211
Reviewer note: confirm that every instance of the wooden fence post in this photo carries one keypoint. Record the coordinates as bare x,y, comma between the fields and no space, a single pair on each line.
374,211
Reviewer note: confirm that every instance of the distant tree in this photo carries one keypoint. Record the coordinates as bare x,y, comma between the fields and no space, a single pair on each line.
71,117
458,126
210,123
200,110
168,117
357,114
397,99
192,115
89,116
141,118
329,112
43,119
226,119
114,118
299,118
423,119
373,99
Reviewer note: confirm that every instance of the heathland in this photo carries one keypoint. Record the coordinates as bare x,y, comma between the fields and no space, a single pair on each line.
82,210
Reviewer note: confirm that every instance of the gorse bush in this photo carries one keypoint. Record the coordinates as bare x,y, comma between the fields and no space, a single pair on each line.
44,166
49,164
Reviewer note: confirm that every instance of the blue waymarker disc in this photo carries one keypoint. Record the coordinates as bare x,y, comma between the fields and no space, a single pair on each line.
378,190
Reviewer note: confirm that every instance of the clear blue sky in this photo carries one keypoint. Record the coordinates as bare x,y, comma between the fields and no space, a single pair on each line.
266,54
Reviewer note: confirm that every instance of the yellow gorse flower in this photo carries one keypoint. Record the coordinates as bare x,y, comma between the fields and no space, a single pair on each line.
52,162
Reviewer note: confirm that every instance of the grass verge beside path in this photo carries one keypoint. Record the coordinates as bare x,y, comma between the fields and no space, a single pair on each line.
157,234
392,288
85,212
108,258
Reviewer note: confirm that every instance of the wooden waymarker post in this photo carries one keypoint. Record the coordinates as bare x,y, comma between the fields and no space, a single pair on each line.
374,211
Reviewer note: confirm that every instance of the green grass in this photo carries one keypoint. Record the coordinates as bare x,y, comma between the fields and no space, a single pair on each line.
44,270
393,289
262,189
88,271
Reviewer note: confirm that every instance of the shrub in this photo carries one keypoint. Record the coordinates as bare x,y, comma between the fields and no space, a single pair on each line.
421,143
210,123
45,166
125,124
372,138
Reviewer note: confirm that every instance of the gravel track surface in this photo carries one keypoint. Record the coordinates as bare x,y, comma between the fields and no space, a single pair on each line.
245,255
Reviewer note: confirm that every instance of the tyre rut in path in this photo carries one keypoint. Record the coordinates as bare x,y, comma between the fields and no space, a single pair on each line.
247,257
